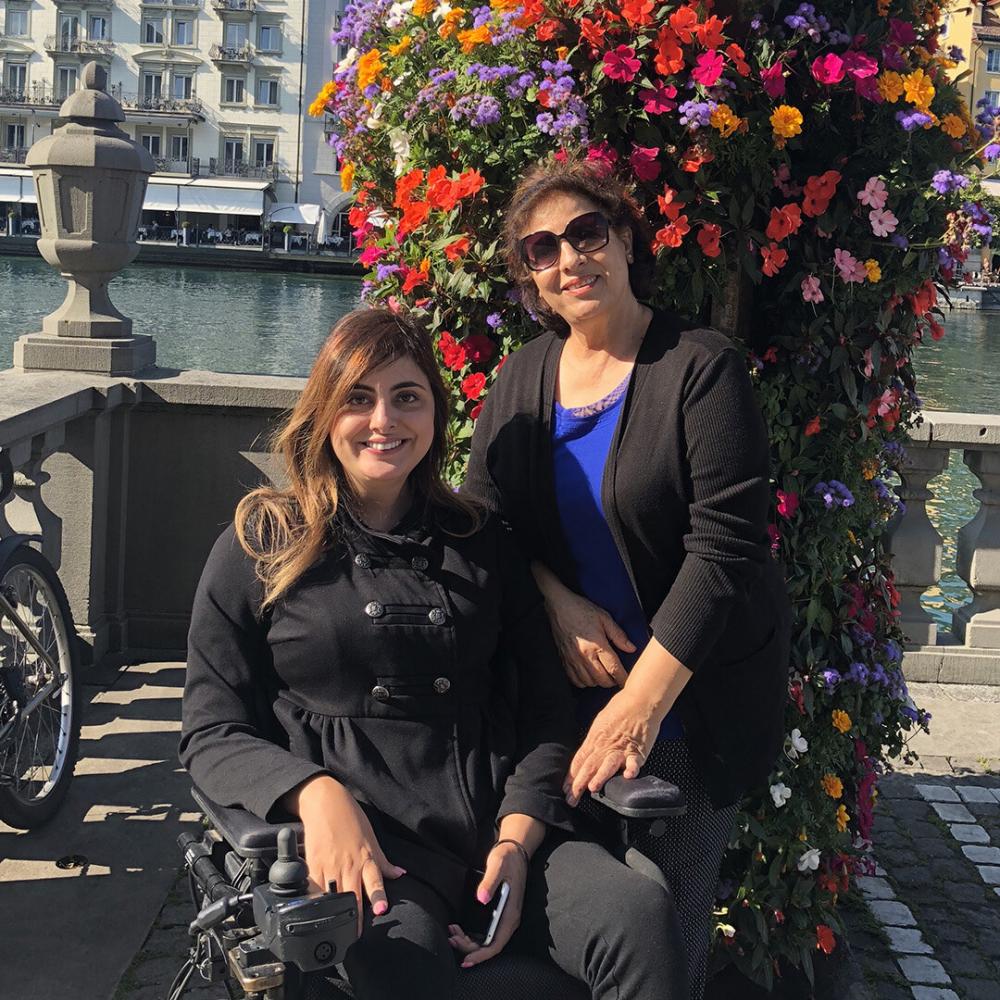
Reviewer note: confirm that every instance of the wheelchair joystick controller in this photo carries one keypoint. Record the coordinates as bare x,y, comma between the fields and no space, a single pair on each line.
288,875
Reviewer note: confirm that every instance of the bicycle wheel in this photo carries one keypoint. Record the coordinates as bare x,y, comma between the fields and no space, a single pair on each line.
38,754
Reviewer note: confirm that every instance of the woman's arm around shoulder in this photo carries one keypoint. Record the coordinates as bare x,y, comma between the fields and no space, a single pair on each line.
224,742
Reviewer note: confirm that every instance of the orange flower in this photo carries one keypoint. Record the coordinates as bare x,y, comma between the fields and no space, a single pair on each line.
825,941
441,192
547,30
347,177
669,208
458,248
785,221
818,192
832,785
472,37
953,126
710,34
592,32
738,57
841,720
469,183
422,7
774,259
694,158
637,12
406,185
669,54
451,22
672,235
413,217
683,21
416,276
369,67
403,45
532,13
813,427
708,239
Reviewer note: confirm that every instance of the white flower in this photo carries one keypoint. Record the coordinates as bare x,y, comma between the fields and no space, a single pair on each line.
797,744
441,11
397,14
728,929
781,793
399,142
348,61
374,119
809,861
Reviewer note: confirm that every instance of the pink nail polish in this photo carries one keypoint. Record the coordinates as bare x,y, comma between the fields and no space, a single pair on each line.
483,896
379,908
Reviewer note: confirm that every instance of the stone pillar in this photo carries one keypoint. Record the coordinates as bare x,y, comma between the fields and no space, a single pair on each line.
916,544
978,562
91,181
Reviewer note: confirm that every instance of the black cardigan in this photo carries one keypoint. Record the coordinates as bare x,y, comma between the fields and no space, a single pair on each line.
685,493
417,667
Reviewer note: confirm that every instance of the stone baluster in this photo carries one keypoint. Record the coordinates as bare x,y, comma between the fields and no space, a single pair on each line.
915,542
978,561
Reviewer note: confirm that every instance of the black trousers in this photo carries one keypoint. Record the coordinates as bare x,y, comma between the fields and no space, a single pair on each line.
611,928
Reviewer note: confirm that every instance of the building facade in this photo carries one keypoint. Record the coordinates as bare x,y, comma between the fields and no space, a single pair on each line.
215,90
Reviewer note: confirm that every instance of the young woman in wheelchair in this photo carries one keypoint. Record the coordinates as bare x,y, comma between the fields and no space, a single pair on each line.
369,652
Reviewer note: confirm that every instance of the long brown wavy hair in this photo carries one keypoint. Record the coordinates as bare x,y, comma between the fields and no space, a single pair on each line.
287,530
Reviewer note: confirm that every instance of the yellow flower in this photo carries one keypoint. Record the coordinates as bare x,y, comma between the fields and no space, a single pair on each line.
472,37
369,67
318,105
505,5
869,468
562,52
953,125
842,817
841,720
723,119
786,122
873,271
347,177
802,835
832,785
918,89
890,86
422,7
451,21
401,46
852,537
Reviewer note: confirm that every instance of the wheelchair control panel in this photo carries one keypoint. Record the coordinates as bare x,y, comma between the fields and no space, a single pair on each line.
263,939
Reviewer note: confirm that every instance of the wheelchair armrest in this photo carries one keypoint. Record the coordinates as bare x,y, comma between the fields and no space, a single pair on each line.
648,797
249,835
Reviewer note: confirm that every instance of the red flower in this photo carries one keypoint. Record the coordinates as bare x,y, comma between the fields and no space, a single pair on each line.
708,239
788,503
738,57
774,259
657,100
813,427
825,941
473,385
669,208
452,352
818,192
479,348
669,54
683,21
637,12
413,217
406,185
548,30
773,79
785,221
707,68
470,182
621,64
710,34
532,14
592,32
458,248
643,162
357,216
923,299
441,192
937,330
415,276
475,411
672,235
694,158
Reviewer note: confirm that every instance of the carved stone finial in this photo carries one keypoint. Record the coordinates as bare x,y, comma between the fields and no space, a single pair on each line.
95,77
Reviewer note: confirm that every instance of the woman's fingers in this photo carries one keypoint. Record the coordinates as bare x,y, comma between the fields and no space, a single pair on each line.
605,769
614,673
617,634
371,878
461,941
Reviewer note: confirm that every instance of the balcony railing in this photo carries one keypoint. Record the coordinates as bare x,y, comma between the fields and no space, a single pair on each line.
231,53
235,6
13,154
170,3
156,102
89,4
37,93
165,165
79,46
242,168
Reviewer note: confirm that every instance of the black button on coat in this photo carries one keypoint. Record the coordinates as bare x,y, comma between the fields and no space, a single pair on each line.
416,668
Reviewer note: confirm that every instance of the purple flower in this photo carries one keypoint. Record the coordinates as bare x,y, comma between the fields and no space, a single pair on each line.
831,678
956,54
696,114
383,271
858,673
911,120
494,320
944,182
992,151
834,494
488,112
899,240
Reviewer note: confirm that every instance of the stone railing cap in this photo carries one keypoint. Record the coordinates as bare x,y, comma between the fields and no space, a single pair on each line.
959,430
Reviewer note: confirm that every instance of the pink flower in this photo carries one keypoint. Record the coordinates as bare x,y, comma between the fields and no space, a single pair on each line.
874,193
860,65
775,536
828,69
810,289
707,68
773,79
643,162
658,100
867,87
851,269
901,32
621,63
603,156
883,221
369,255
788,503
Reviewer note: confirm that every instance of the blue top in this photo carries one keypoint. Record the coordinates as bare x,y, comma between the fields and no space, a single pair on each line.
581,441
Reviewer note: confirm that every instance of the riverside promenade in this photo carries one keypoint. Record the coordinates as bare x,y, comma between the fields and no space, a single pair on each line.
111,923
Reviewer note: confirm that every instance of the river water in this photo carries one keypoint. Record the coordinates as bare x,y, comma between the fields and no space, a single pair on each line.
274,323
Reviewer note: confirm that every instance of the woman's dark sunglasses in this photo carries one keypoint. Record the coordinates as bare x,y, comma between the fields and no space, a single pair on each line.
585,234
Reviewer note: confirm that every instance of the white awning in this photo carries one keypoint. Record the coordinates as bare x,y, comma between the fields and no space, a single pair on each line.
225,200
295,214
160,198
28,196
10,188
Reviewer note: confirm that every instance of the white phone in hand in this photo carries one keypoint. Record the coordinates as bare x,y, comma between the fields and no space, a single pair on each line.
501,902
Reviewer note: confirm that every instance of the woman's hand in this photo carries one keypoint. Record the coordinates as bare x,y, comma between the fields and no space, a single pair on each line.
619,739
340,843
585,634
505,863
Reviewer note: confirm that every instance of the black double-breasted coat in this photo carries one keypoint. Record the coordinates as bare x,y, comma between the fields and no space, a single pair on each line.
416,667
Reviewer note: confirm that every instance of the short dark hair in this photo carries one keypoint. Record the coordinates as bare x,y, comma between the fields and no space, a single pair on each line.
586,179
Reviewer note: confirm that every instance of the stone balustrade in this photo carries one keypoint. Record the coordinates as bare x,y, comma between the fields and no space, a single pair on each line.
970,651
130,479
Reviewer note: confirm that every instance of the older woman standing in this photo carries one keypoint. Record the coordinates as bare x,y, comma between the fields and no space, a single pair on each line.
626,452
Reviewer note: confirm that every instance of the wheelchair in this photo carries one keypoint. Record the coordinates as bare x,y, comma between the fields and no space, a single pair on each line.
260,932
